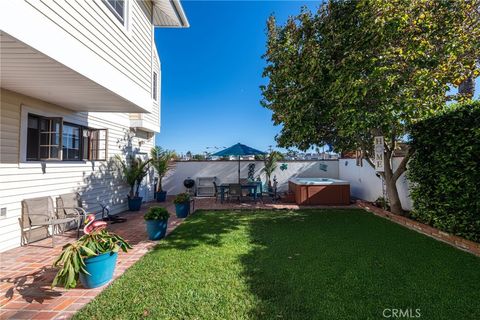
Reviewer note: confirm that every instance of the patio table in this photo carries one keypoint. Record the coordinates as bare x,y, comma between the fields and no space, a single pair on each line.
252,186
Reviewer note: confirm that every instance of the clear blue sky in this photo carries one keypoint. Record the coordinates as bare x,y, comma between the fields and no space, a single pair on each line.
211,73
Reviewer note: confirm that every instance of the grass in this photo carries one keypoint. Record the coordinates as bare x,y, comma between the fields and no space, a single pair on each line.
308,264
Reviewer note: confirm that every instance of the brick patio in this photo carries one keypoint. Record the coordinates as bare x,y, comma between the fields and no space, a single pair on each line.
26,272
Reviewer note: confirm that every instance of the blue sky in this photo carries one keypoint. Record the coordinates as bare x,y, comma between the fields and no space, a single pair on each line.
211,73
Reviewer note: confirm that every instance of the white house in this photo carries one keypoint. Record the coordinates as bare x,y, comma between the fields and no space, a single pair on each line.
80,82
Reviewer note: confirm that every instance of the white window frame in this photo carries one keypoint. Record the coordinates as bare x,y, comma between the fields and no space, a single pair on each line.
155,86
125,27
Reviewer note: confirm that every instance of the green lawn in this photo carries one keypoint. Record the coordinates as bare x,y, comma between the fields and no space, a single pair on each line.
309,264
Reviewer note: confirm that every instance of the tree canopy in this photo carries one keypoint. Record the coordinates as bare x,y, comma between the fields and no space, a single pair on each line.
360,68
365,67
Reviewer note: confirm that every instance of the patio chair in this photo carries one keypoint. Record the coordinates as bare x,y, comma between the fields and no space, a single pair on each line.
71,202
217,192
70,205
235,191
40,213
273,194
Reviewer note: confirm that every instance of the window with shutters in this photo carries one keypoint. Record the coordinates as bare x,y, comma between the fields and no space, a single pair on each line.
53,139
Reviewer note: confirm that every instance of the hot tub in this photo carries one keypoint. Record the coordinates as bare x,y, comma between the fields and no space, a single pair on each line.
321,191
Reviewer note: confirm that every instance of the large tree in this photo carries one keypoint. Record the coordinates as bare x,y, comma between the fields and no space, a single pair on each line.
358,69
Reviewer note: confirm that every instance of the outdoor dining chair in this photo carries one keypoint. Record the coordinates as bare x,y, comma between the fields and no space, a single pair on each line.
39,214
272,193
235,191
217,192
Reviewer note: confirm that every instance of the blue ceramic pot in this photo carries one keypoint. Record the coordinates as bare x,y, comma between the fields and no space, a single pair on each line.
100,269
156,229
182,209
161,196
135,203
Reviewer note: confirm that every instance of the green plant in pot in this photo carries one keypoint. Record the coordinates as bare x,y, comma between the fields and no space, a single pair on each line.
91,259
133,171
182,205
270,162
156,220
162,160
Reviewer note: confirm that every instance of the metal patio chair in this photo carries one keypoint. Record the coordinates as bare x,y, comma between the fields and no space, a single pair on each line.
235,191
39,213
69,205
218,193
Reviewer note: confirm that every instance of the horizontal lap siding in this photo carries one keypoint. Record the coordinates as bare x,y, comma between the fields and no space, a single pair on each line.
91,23
27,180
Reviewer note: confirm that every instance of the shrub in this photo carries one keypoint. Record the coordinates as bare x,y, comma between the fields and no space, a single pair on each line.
445,171
156,213
182,198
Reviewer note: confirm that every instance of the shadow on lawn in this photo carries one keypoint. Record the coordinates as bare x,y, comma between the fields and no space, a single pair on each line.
352,265
204,227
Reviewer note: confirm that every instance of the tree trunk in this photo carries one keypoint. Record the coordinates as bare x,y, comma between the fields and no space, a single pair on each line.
159,184
391,186
467,87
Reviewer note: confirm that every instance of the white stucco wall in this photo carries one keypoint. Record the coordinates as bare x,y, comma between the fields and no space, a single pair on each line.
226,171
364,183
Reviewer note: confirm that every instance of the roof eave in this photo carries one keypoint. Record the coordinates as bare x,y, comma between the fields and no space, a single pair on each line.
179,12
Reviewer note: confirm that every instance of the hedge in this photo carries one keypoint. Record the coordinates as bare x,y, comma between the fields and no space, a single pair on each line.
445,171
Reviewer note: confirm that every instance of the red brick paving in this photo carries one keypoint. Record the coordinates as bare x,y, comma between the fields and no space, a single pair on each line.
26,272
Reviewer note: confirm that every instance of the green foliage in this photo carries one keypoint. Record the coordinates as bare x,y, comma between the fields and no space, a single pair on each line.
382,202
199,157
361,68
270,162
445,171
156,213
182,198
71,260
133,171
162,161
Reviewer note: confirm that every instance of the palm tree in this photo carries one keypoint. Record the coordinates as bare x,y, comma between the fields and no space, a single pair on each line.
162,161
270,164
132,170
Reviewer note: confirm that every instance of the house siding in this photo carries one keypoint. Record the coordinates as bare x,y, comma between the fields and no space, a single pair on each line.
128,49
94,180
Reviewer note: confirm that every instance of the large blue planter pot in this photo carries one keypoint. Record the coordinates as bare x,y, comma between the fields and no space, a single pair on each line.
134,204
100,269
156,229
182,209
161,196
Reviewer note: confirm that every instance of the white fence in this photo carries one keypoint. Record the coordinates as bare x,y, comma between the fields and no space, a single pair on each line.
227,171
364,183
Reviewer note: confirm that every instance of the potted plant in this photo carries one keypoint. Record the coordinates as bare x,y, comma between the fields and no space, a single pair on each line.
162,161
91,259
133,171
182,205
156,220
269,165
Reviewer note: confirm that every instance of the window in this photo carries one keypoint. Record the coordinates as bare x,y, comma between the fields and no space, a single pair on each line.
97,144
52,139
71,142
44,138
118,9
155,86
